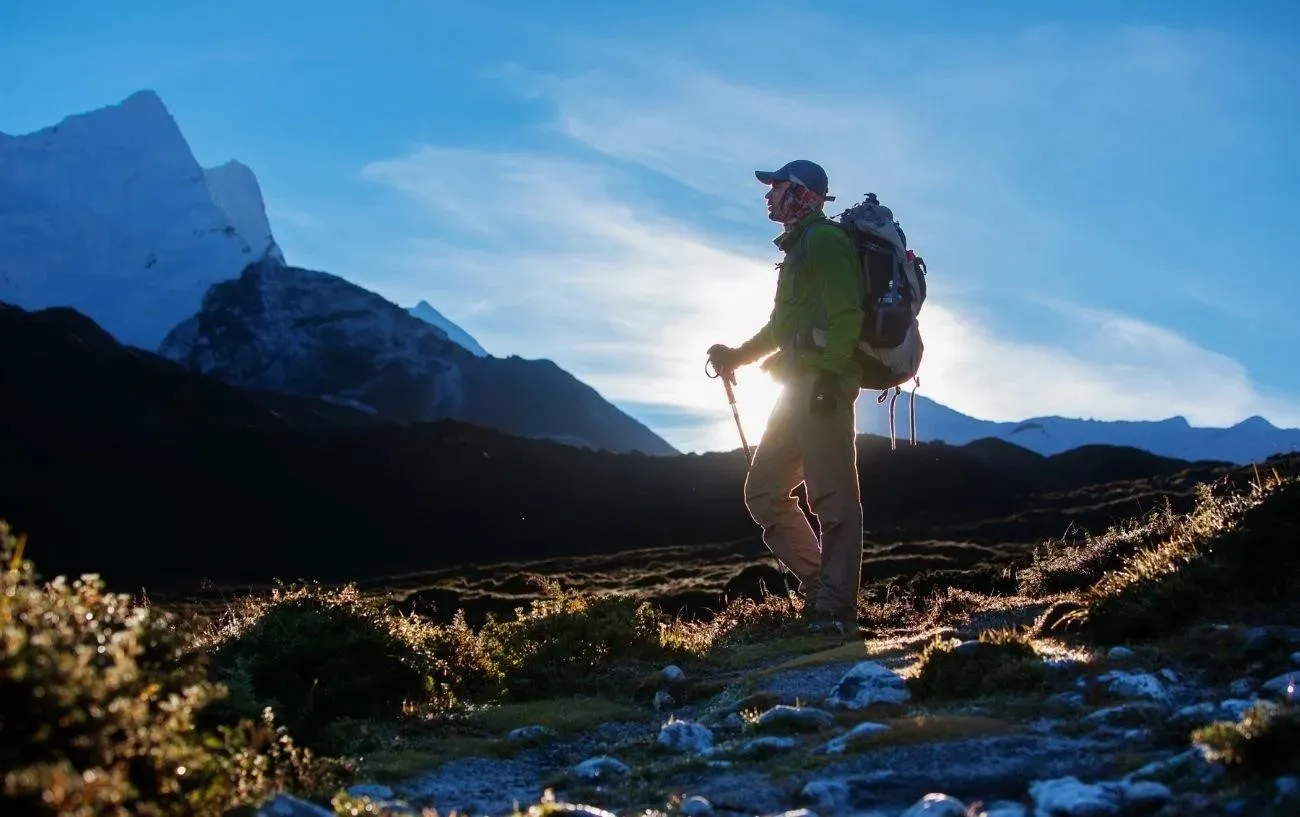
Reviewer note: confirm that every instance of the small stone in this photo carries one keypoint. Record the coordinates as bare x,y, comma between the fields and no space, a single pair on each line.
839,744
1233,708
696,806
1120,653
1203,712
601,767
1128,714
685,736
673,674
1074,700
1190,757
526,733
1042,726
802,716
770,743
936,805
663,701
830,795
1242,688
1146,794
867,683
1135,685
1072,797
1295,658
1282,685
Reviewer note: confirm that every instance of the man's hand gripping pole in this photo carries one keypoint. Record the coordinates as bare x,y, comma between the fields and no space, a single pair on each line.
728,379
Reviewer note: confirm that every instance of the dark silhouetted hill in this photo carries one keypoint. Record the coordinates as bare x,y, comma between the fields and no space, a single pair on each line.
121,462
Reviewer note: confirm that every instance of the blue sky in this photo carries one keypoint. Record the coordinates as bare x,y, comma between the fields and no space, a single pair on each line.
1105,192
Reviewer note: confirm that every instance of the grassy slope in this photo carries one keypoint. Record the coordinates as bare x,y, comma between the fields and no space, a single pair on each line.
348,677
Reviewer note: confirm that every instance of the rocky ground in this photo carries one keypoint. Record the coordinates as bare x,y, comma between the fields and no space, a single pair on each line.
854,725
1145,670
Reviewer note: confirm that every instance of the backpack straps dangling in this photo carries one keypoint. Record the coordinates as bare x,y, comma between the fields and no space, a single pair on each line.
911,408
892,436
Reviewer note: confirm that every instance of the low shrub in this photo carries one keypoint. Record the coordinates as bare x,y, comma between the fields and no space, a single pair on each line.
318,657
100,701
1262,744
999,662
568,642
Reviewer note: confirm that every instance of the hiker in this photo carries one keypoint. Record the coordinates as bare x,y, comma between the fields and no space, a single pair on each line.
810,435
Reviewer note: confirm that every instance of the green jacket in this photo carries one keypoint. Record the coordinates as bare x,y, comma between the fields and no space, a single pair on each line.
821,289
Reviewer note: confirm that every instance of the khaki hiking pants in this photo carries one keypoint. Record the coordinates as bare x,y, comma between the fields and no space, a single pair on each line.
820,451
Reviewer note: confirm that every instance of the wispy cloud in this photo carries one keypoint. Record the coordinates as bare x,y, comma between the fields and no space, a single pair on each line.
577,259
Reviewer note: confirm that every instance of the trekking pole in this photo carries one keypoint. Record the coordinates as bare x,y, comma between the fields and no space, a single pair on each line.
728,378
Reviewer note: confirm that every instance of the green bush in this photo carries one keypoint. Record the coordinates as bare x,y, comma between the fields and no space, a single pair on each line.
1000,662
569,642
320,657
1262,744
99,700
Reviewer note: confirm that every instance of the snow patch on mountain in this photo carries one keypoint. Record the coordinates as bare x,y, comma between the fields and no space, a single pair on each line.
1251,440
425,312
109,213
235,190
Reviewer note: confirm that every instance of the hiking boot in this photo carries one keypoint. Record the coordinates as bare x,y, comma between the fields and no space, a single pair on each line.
826,626
822,622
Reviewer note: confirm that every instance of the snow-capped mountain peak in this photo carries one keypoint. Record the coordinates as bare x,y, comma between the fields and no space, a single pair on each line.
108,212
425,312
236,191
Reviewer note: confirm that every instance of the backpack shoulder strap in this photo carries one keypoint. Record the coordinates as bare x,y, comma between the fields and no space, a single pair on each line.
803,238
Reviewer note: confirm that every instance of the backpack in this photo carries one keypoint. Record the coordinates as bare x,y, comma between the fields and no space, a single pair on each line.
894,288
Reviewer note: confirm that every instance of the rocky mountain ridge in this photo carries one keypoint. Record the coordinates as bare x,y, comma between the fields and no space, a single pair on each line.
309,333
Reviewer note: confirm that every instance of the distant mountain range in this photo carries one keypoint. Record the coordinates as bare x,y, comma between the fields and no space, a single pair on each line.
109,213
1248,441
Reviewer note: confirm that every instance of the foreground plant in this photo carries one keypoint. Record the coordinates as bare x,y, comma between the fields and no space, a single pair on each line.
1262,744
99,703
1232,555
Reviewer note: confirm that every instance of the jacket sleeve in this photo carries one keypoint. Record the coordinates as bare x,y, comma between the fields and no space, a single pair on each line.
838,282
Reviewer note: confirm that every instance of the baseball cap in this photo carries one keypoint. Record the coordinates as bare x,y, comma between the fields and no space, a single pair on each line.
801,171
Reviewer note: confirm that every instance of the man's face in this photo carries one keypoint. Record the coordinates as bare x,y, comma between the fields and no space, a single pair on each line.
774,194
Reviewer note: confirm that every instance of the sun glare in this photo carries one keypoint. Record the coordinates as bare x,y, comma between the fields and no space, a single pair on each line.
730,312
756,392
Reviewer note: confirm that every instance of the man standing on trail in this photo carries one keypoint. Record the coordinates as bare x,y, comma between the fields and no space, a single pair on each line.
810,436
